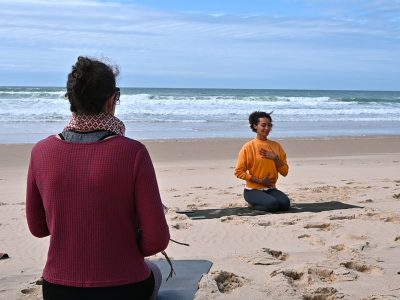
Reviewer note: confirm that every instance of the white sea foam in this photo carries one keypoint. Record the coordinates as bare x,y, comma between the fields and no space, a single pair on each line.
205,113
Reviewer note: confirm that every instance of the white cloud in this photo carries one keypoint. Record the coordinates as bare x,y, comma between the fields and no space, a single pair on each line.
49,35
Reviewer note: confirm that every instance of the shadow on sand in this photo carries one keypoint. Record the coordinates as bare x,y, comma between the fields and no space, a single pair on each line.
246,211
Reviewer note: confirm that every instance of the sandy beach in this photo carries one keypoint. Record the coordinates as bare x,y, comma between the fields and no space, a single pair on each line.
340,240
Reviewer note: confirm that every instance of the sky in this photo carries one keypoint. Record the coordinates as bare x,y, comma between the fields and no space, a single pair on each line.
263,44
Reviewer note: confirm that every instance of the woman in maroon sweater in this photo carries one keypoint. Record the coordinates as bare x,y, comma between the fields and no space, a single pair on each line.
95,193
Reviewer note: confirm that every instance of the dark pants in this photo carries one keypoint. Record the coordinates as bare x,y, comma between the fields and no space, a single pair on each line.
271,200
141,290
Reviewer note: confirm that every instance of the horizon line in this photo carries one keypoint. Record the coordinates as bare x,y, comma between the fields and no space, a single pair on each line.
214,88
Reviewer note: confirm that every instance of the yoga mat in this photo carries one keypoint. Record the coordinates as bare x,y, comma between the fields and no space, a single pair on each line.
214,213
184,284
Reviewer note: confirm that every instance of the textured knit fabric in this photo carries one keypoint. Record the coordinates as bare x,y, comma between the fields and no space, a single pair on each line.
104,121
92,198
250,163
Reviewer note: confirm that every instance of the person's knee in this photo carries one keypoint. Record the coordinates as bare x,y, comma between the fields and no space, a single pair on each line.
156,271
157,278
285,205
282,199
253,198
263,201
272,206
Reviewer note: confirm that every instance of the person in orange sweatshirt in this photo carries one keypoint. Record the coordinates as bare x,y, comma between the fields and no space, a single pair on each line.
259,163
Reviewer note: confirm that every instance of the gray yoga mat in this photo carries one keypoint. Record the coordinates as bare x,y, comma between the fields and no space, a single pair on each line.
184,284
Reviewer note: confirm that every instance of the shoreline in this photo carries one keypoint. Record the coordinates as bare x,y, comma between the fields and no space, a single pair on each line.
294,147
26,133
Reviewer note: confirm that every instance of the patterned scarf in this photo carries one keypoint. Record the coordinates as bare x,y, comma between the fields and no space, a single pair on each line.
100,121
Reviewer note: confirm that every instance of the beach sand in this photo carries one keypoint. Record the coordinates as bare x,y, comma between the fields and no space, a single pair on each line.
340,240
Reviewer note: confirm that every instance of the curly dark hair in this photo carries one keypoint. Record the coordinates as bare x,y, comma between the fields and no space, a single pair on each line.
89,85
254,118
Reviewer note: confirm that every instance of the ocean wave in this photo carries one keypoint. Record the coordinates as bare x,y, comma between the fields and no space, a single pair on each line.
206,105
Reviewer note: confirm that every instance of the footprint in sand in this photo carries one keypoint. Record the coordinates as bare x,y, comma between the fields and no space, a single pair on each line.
362,267
291,276
339,247
315,275
227,281
344,274
302,236
319,226
311,239
366,246
179,217
276,253
232,205
396,196
226,219
290,222
366,201
278,285
320,274
28,291
235,220
206,188
265,257
392,219
326,293
181,226
368,215
341,217
210,188
261,260
196,206
264,223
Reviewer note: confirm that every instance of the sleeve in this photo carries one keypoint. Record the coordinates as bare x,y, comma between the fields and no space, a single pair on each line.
284,169
35,213
241,166
154,232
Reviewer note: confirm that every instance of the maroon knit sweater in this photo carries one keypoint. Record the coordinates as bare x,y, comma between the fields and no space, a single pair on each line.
91,198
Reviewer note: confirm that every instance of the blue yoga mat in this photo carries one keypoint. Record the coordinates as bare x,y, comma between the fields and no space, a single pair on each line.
184,284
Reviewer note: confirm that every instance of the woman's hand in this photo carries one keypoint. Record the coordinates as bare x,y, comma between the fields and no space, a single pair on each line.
269,154
265,181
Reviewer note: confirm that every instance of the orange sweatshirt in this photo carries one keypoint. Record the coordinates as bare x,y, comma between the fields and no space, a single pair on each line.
250,163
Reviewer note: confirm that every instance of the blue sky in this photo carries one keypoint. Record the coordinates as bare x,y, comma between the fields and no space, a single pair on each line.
294,44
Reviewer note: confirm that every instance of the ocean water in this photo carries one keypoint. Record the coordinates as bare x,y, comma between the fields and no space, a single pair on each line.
28,114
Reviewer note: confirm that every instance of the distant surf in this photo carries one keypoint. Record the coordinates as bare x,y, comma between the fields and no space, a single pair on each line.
28,114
